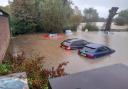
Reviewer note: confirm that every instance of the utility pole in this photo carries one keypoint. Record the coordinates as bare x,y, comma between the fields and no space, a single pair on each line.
112,13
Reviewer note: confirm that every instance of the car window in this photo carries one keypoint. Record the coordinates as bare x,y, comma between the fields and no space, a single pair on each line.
88,49
106,48
81,42
64,42
68,40
102,49
75,43
85,42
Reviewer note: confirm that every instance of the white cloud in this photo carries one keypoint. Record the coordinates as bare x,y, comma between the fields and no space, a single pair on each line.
3,2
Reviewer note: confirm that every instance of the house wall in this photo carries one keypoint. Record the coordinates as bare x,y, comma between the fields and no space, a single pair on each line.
4,36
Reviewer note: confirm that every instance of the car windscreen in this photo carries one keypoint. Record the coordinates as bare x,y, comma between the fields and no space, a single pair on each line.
88,49
70,39
66,43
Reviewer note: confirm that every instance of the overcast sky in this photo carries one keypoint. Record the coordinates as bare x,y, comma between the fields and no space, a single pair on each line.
3,2
102,6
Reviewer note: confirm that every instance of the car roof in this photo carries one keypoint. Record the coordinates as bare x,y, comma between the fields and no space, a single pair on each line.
93,45
73,39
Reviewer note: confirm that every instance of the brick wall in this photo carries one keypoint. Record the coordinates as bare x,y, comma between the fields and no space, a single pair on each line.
4,36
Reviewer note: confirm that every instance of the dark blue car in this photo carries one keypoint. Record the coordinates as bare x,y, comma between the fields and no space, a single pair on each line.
95,50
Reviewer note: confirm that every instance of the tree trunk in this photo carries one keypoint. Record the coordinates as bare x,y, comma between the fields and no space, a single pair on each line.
112,13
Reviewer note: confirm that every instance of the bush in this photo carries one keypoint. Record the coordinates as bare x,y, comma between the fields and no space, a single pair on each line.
120,21
90,27
71,27
36,74
74,27
122,18
5,69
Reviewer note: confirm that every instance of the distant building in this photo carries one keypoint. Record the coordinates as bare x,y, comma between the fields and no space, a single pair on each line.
4,33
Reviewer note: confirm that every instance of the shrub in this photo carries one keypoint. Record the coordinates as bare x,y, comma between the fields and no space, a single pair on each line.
120,21
36,74
5,69
90,27
74,27
70,27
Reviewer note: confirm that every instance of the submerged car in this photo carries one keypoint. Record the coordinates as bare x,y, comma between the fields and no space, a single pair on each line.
68,32
72,44
95,51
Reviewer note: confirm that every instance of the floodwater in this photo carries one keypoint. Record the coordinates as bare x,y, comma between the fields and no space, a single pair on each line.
36,44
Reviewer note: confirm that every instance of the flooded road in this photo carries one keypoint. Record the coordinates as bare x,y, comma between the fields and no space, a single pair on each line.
36,44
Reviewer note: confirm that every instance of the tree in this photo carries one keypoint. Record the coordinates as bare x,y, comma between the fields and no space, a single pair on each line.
30,15
112,13
122,18
24,16
76,18
6,8
56,14
91,15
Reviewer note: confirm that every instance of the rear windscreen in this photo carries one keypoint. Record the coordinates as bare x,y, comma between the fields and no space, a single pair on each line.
88,49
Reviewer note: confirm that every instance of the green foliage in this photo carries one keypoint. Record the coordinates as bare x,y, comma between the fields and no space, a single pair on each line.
72,27
91,15
91,27
5,69
122,18
25,17
75,19
28,16
56,14
37,75
5,8
120,21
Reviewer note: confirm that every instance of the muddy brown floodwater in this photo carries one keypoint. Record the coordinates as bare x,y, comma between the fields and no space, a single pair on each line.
50,49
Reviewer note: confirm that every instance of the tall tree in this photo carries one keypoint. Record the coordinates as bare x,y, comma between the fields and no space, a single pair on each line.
112,13
91,15
24,16
6,8
51,15
76,18
56,14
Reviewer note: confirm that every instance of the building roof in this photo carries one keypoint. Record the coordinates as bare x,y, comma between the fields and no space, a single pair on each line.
110,77
3,13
